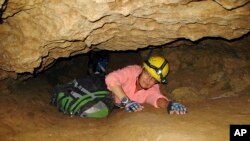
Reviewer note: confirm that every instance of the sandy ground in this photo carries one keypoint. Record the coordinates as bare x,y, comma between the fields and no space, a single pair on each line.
26,115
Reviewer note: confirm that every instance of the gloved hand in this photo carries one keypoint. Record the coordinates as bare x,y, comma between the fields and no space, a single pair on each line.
131,106
175,107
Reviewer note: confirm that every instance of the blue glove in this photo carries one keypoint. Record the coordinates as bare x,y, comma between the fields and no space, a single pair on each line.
176,107
131,106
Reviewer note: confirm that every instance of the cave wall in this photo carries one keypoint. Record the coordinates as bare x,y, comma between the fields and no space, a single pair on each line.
210,68
34,33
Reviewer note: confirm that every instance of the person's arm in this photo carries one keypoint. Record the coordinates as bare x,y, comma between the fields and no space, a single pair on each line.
115,80
118,91
130,106
162,103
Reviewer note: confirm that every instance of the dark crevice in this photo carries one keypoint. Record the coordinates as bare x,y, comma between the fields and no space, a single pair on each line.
13,14
233,8
4,6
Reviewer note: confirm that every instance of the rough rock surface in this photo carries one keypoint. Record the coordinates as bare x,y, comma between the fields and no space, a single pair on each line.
34,33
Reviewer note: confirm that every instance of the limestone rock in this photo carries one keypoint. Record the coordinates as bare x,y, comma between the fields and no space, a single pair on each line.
187,95
225,95
240,83
2,4
35,33
230,4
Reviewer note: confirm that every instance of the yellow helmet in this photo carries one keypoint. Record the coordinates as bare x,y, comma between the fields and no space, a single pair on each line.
158,68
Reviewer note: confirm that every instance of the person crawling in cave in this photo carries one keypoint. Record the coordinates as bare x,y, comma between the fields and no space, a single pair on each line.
129,87
135,85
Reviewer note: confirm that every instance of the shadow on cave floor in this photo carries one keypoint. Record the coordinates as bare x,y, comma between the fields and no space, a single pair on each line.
26,115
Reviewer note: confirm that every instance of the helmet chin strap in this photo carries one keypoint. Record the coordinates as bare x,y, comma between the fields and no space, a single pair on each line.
159,70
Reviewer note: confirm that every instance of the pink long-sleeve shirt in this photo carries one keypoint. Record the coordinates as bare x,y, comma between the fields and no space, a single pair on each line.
126,78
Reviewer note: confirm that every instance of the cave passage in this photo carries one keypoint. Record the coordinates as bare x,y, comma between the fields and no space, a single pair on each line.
212,78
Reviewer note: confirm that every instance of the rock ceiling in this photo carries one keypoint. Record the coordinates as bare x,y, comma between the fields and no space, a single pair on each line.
34,33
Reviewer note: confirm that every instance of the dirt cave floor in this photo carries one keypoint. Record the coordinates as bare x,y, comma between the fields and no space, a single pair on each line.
26,115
